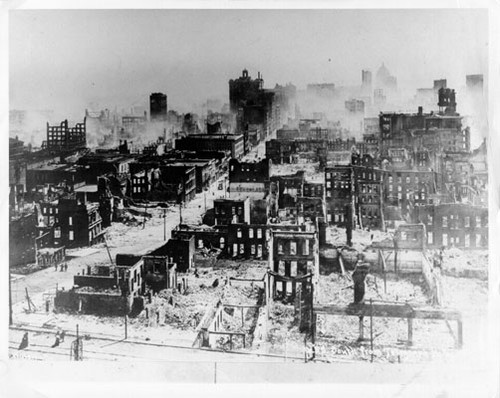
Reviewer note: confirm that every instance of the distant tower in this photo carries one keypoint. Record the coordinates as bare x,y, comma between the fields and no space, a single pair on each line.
158,107
441,83
366,81
446,102
474,84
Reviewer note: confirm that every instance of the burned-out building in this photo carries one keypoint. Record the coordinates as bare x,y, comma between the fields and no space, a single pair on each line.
205,170
454,224
204,236
181,251
17,171
78,224
158,107
309,207
339,190
280,151
132,124
293,255
313,190
54,173
232,143
100,163
159,270
63,138
407,188
247,179
104,291
253,105
22,235
441,131
179,181
232,211
247,240
354,193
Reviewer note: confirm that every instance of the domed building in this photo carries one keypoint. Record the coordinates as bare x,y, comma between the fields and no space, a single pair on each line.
384,79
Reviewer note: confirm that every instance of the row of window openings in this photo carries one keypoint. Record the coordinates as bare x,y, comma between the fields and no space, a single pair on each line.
293,248
239,233
254,249
454,221
407,179
364,175
293,270
71,234
336,217
455,240
338,184
44,210
222,210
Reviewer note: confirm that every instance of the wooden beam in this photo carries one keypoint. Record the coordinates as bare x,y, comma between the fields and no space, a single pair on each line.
246,280
341,262
226,333
241,306
410,331
385,310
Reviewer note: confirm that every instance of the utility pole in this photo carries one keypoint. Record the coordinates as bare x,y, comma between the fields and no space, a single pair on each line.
107,249
164,224
371,329
205,199
10,299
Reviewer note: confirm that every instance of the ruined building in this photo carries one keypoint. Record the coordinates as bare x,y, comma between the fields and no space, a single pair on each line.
63,138
253,105
158,107
354,196
293,260
436,132
454,224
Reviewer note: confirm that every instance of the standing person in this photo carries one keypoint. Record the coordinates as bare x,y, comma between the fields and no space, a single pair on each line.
24,342
57,341
55,267
61,335
65,266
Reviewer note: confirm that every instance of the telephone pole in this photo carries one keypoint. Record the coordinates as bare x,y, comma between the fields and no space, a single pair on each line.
164,224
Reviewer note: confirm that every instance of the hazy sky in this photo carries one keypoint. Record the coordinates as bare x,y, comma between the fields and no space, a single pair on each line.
63,60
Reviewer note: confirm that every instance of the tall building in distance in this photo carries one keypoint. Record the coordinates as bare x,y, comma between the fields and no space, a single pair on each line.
366,81
385,80
474,83
256,107
158,107
438,84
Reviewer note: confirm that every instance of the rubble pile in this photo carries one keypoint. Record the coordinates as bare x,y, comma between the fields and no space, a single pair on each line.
337,289
242,295
465,264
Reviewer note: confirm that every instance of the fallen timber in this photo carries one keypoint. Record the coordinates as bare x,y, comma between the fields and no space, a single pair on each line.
395,310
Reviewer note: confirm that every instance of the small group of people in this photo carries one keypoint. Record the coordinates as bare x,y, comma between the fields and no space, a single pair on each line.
438,258
63,266
59,338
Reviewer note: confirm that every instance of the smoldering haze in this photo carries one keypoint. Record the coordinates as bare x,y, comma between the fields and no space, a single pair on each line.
62,60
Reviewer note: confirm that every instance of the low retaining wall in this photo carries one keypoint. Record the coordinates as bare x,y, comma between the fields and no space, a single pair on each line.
92,303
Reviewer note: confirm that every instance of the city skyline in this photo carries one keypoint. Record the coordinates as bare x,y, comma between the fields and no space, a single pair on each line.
118,57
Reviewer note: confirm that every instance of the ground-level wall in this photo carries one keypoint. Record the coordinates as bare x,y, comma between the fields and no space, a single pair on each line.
92,303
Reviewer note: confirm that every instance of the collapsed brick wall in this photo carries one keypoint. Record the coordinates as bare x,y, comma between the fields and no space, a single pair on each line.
92,303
